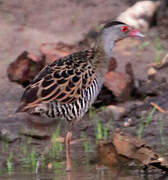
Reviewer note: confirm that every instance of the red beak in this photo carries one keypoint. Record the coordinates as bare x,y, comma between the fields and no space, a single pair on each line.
135,33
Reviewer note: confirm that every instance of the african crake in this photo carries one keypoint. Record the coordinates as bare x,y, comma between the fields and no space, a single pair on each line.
69,86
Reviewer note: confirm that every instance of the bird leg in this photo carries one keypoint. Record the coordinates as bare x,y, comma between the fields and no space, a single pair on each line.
68,159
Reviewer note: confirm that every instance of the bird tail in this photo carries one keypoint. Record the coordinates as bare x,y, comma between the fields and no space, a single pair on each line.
19,109
22,108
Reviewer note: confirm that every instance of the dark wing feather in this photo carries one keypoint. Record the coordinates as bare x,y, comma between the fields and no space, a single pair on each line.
62,81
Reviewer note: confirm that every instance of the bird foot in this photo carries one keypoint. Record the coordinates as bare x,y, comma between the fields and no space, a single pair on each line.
68,169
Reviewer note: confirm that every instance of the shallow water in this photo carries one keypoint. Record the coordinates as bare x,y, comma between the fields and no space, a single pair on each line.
79,174
83,159
82,172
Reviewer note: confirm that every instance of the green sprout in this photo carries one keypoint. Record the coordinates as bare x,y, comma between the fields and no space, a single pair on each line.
99,131
144,45
149,117
9,163
29,140
4,146
29,159
86,143
57,147
105,132
163,142
33,159
92,112
57,168
140,129
159,50
145,122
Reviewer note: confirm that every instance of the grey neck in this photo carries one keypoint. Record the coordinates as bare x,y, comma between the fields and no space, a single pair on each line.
103,49
108,49
108,43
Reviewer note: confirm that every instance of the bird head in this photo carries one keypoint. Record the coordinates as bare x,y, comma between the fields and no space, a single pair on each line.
115,31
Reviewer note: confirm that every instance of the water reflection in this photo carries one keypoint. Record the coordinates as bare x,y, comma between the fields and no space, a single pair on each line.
83,172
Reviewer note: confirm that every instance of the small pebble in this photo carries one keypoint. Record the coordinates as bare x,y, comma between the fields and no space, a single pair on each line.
126,124
7,135
130,120
151,73
161,159
50,165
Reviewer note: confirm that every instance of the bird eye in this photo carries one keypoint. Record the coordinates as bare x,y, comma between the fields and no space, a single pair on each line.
124,28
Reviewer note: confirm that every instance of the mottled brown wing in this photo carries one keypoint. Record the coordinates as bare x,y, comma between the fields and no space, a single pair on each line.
62,81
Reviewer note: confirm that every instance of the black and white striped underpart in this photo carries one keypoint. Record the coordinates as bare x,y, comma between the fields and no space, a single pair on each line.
75,110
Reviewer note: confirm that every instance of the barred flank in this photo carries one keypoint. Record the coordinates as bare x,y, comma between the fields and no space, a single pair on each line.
77,109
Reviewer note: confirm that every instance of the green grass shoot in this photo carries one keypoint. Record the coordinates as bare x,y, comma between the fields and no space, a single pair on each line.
99,131
57,147
33,160
92,112
4,146
162,138
159,50
9,163
149,117
143,45
145,122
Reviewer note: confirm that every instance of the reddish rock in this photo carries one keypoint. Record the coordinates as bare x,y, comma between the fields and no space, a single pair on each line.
119,84
108,156
7,136
27,65
24,68
137,150
53,51
34,133
116,111
122,149
50,58
112,64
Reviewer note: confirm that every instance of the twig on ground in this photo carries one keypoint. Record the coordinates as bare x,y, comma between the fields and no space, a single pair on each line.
160,109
